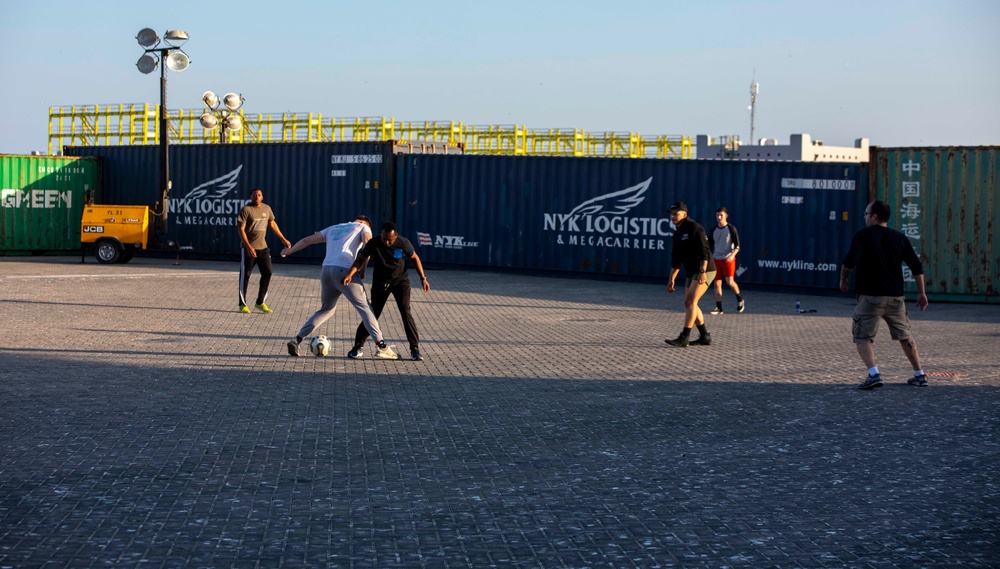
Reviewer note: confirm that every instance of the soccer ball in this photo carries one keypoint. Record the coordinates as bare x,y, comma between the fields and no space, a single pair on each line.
319,346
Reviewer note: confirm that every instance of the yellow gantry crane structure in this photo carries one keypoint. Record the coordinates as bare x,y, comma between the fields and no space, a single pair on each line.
132,124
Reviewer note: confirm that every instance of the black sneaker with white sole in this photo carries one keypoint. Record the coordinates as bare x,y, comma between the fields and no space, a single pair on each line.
415,356
872,382
293,348
740,305
917,381
357,352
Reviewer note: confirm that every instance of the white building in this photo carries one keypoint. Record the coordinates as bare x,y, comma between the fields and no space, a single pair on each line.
801,148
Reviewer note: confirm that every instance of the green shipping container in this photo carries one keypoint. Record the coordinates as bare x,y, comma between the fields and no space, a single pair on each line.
41,200
947,201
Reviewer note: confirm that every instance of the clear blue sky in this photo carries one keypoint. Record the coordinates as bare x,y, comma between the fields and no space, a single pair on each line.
902,73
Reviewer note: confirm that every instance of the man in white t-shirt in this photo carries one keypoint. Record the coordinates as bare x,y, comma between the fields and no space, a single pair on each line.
343,242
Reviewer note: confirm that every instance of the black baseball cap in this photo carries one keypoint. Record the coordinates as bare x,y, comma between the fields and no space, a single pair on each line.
679,206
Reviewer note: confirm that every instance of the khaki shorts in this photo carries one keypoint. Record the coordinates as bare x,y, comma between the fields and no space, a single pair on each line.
871,309
709,277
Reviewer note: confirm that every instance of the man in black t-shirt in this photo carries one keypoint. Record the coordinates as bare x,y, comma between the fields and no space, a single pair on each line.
388,254
878,254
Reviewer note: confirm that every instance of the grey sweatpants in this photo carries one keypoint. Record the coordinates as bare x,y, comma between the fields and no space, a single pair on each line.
330,279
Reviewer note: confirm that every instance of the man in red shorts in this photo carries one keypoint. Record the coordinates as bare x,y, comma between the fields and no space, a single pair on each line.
725,243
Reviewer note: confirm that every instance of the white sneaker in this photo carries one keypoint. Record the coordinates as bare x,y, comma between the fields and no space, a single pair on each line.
386,353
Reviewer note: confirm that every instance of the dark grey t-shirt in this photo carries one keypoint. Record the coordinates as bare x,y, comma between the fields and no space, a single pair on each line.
255,221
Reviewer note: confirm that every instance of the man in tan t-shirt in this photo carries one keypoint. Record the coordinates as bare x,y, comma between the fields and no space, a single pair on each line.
252,223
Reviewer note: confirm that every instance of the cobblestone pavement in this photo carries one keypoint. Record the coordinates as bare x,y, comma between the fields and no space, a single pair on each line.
147,423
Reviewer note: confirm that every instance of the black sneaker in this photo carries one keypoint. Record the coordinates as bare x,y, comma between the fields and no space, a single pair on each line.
415,356
717,310
356,352
871,382
740,305
703,340
917,381
680,342
293,348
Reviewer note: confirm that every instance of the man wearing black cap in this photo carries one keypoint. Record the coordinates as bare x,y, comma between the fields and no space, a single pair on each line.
691,251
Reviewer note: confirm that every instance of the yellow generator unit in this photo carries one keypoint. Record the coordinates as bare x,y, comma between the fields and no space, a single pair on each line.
114,232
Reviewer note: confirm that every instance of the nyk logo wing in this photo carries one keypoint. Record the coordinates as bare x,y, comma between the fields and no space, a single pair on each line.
217,188
616,203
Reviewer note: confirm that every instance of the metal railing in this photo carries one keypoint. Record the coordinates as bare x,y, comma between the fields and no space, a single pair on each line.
137,124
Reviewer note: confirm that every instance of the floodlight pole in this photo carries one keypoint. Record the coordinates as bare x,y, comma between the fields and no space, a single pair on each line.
150,42
222,126
164,141
164,146
754,89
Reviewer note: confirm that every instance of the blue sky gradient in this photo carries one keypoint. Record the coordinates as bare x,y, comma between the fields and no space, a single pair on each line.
913,73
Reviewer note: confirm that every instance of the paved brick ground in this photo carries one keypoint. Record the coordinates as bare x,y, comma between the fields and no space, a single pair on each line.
146,423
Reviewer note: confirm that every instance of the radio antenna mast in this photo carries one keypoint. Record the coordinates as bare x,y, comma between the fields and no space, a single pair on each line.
754,88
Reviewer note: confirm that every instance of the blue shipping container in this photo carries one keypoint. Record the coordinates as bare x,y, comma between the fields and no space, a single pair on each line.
610,216
308,185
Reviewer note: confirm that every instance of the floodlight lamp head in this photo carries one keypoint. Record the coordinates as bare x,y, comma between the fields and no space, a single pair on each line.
177,61
146,64
208,121
210,99
234,122
176,36
232,101
147,38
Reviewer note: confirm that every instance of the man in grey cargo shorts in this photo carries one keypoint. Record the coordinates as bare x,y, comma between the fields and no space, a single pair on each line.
878,254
